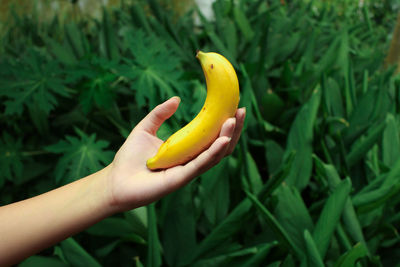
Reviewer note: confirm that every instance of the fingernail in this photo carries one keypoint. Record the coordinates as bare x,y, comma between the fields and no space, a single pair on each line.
177,97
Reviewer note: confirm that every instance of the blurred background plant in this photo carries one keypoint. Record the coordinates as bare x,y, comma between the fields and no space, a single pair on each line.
314,180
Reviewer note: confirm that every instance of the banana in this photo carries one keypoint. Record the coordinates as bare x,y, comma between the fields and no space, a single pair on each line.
221,103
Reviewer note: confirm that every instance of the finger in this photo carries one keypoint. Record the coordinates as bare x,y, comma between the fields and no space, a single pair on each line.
228,127
181,175
240,116
152,122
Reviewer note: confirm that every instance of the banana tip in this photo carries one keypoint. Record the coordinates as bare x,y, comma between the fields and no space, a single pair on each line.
150,163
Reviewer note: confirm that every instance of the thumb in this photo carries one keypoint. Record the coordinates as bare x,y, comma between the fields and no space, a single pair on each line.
152,122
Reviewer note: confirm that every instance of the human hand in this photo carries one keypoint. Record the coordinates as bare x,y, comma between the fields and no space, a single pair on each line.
131,184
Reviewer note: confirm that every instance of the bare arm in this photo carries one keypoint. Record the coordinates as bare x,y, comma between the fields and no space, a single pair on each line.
31,225
28,226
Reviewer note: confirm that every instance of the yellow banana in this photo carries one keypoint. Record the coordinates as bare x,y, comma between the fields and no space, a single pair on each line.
221,103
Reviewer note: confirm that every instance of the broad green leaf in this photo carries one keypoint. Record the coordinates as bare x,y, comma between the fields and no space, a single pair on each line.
274,155
279,176
97,91
223,231
10,158
332,97
234,221
373,199
363,145
261,255
61,52
76,255
313,256
115,227
155,71
300,140
390,142
42,261
215,192
39,119
80,156
292,213
276,227
137,218
253,174
74,38
232,258
108,39
330,216
215,39
231,37
243,23
352,256
36,83
350,218
179,228
154,246
139,16
107,249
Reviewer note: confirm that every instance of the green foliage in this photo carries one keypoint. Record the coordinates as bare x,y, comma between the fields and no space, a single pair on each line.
80,157
314,180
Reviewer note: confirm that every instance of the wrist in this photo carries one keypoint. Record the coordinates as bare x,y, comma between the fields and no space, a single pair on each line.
101,191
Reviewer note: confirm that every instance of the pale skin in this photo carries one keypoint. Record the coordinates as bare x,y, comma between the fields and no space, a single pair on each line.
31,225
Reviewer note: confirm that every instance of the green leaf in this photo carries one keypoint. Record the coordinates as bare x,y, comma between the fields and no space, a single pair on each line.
75,255
292,213
390,142
276,227
137,218
253,174
107,249
261,255
41,261
373,199
154,246
10,158
98,91
332,97
274,155
108,40
215,192
216,40
231,258
36,83
363,145
313,256
62,53
352,256
330,216
80,156
300,140
115,227
179,228
349,216
223,231
234,221
74,37
243,23
155,70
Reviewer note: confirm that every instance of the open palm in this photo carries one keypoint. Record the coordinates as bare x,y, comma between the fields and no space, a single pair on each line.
132,184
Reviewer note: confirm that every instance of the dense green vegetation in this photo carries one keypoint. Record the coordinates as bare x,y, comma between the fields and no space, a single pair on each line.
314,181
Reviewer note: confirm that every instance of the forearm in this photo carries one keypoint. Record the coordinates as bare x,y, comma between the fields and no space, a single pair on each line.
29,226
